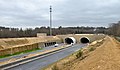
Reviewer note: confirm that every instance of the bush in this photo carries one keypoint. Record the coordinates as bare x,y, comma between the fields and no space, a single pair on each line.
91,49
55,67
79,54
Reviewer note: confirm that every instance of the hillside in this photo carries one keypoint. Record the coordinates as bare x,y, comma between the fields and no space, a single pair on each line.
105,57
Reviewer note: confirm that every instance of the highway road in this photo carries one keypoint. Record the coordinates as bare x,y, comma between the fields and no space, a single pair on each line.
42,62
25,54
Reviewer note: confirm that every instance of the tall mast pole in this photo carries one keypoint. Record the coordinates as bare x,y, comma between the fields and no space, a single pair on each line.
50,20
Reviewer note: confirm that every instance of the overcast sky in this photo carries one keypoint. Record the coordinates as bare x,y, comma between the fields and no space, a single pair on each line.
35,13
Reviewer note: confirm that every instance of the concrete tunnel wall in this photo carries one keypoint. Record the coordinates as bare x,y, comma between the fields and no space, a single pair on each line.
89,37
72,40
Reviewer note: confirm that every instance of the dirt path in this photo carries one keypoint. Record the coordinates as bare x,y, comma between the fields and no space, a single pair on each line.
105,57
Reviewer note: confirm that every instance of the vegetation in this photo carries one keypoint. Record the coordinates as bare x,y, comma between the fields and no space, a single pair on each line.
29,32
26,51
79,54
55,67
92,49
114,29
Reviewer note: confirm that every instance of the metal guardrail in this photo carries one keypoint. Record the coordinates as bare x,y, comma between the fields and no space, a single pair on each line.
26,60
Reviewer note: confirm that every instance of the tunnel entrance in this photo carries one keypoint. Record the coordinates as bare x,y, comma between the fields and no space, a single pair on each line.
68,41
84,40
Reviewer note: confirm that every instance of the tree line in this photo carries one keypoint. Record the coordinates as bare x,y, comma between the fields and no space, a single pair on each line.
6,32
114,29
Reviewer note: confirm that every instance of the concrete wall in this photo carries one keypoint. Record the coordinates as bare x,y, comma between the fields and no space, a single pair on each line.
92,37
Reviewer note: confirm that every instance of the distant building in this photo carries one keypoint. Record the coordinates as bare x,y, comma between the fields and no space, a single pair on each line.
41,34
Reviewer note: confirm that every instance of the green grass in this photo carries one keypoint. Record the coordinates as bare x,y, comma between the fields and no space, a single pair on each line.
26,51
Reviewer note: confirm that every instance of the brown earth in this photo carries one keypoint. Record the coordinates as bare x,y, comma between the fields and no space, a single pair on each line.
105,57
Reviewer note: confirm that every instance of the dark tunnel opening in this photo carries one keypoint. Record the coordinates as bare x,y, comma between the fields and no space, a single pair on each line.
68,41
84,40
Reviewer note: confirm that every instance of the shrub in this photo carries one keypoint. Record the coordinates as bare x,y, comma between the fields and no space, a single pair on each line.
91,49
79,54
55,67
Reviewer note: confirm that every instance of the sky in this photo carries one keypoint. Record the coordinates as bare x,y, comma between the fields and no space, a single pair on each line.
66,13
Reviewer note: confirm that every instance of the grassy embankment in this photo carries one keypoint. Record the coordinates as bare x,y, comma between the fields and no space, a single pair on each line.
26,51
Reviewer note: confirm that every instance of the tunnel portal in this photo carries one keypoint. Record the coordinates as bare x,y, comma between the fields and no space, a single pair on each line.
70,40
84,40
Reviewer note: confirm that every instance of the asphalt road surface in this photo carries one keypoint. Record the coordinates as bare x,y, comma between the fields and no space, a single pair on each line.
40,63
